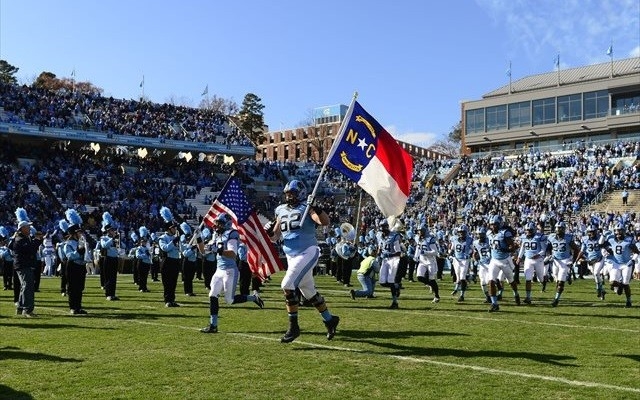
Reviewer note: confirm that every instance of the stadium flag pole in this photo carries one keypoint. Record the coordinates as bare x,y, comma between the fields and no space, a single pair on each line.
332,150
610,54
558,67
509,74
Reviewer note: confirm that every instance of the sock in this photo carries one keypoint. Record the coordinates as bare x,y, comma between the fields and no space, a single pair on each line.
528,294
494,299
326,315
557,297
213,320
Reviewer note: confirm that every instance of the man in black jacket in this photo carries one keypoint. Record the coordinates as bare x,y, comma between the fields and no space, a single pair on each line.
25,263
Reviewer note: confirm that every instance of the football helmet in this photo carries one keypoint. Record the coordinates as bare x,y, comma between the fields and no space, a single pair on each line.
618,230
561,228
530,229
295,192
223,222
481,231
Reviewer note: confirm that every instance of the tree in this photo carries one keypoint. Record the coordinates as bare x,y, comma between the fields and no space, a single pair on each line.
220,105
319,134
455,134
251,118
49,81
446,147
451,145
7,73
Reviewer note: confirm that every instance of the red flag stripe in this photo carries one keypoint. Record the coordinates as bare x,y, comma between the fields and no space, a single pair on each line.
261,254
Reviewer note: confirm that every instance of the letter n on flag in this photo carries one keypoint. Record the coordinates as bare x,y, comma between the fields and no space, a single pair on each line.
367,154
262,257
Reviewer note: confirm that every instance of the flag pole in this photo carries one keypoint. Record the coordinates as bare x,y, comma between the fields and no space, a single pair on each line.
359,211
332,150
509,77
198,230
558,68
610,51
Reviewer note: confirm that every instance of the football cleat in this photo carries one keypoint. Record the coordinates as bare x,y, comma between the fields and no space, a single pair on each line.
527,301
494,308
554,303
394,306
331,325
517,298
210,329
291,334
436,300
259,301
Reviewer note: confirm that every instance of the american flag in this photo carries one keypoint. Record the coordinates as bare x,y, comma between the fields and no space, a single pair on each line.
262,257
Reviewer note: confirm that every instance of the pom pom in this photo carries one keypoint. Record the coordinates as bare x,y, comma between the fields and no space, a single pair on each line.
63,225
134,236
166,215
153,236
185,228
4,232
144,232
21,214
73,217
107,219
206,233
32,231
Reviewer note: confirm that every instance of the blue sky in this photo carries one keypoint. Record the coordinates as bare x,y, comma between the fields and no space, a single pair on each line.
411,61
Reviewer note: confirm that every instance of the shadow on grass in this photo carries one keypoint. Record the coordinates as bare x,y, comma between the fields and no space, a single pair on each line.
359,336
32,325
412,351
14,353
632,357
7,393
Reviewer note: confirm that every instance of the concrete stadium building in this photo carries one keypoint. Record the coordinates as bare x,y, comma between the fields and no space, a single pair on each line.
556,110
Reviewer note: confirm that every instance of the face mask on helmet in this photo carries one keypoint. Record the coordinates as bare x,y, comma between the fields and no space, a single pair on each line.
295,192
462,231
530,229
591,232
561,228
495,222
223,222
384,226
619,231
481,232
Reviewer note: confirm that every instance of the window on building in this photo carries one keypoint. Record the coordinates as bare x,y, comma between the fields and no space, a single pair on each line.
519,114
544,111
570,108
496,117
625,103
596,104
474,121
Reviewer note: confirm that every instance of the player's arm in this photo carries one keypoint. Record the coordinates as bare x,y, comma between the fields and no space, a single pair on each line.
319,216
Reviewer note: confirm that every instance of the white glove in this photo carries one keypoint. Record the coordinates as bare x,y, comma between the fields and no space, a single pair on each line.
310,199
268,226
547,259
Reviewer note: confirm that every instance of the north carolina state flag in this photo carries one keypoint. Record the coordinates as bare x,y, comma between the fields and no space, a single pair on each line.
367,154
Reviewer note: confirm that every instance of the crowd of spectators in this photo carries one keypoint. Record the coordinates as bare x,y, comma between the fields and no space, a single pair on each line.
75,110
529,187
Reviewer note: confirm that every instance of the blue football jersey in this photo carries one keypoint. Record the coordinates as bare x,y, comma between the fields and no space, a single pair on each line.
297,237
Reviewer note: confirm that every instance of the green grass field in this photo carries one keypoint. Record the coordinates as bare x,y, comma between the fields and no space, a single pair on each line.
138,349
